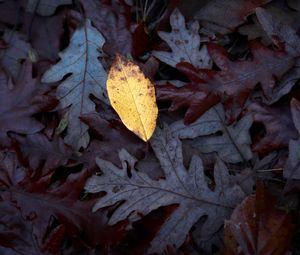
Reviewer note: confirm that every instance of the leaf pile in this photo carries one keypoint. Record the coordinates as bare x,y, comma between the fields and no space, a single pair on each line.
149,127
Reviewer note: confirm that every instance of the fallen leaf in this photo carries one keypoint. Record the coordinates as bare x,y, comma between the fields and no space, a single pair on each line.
113,20
46,45
184,43
235,81
223,16
87,77
132,95
44,7
257,227
279,128
211,134
45,205
186,188
19,102
282,28
41,154
291,169
17,50
111,136
279,31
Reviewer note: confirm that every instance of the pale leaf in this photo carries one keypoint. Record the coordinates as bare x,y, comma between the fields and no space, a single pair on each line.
87,77
184,43
211,134
186,188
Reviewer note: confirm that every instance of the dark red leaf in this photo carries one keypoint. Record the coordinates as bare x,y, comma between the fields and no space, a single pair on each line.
190,96
19,102
41,154
279,127
233,83
55,211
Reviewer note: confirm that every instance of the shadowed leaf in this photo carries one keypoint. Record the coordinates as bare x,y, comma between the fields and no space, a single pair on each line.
186,188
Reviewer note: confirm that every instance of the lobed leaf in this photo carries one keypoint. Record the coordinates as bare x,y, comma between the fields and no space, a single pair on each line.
87,77
184,43
186,188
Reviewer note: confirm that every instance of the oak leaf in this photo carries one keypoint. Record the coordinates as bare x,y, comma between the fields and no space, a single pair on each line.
186,188
132,95
279,128
19,102
39,202
233,83
185,44
41,154
211,134
88,77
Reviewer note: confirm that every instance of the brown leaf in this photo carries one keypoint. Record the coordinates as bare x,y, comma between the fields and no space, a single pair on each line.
55,212
41,154
257,227
233,83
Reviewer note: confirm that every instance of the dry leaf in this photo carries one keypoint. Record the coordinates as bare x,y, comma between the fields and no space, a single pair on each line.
187,188
80,59
257,227
184,43
132,95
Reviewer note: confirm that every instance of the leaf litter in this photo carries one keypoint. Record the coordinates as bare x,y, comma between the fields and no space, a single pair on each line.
75,180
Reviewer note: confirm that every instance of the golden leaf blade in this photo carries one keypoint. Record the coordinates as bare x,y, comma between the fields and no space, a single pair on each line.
132,96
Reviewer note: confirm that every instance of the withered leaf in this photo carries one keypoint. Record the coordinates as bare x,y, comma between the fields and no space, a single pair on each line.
19,102
234,82
80,60
210,133
258,227
184,43
186,188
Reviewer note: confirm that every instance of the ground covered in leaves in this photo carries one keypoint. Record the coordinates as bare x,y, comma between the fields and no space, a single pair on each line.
221,173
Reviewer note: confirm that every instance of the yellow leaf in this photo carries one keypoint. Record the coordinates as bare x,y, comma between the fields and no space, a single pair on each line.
132,96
